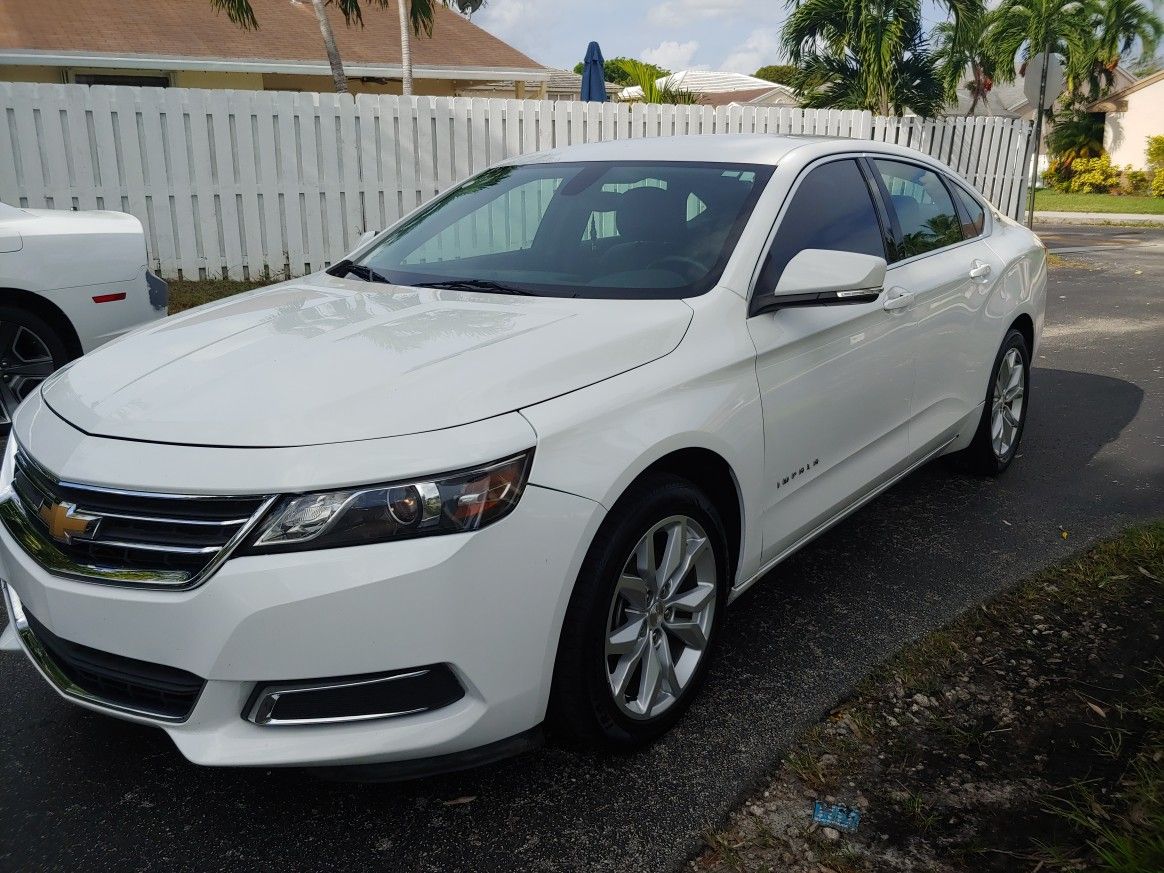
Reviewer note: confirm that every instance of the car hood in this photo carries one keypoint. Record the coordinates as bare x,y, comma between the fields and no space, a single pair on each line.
328,360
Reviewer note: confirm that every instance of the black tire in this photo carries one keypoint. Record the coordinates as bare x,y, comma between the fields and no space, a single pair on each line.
582,704
982,456
30,350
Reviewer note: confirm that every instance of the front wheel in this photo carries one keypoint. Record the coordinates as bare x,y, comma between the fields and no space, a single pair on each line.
643,618
1004,414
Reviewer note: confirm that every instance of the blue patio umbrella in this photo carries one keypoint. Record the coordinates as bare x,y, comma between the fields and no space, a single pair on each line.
593,75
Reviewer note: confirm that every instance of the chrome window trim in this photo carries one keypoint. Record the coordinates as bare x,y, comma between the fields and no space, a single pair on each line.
55,677
45,553
260,712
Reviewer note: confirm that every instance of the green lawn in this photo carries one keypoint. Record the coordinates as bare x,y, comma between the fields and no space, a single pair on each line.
1054,201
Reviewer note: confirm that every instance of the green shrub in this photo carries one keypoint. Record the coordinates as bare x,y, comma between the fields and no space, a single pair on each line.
1158,183
1136,181
1093,175
1058,174
1156,152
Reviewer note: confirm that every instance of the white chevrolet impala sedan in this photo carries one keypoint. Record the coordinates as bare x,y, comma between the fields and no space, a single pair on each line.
507,465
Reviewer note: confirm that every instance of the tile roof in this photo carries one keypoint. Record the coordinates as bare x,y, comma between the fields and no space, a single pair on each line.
288,32
770,94
714,81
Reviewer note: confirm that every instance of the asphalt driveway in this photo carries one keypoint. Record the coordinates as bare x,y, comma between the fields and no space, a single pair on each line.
82,792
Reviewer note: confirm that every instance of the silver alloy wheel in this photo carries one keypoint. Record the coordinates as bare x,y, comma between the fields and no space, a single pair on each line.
1007,411
25,362
661,617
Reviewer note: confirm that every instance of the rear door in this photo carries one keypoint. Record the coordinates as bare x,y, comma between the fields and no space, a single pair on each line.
949,271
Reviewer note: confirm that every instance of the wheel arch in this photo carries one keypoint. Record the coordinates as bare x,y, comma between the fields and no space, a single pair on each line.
1025,325
709,471
47,310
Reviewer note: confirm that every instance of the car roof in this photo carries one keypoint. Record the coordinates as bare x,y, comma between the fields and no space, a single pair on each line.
743,148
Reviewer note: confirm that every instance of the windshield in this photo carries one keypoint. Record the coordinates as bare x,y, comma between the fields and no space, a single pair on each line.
610,229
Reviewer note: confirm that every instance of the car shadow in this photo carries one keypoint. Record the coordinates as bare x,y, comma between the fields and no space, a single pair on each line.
792,647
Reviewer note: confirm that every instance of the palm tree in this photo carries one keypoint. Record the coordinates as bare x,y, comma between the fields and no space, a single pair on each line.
959,45
644,77
421,14
863,55
1076,133
1117,26
1026,27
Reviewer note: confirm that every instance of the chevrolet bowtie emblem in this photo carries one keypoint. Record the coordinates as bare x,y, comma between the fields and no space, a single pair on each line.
65,523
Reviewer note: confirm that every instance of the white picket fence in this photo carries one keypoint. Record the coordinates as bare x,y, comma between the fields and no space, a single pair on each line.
244,184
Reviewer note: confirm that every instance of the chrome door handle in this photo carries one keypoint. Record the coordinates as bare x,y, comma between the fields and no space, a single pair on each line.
979,270
897,298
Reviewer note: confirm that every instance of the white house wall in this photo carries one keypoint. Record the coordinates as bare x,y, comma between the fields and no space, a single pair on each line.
1125,134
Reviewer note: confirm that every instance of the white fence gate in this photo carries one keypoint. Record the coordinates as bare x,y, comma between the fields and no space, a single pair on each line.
244,184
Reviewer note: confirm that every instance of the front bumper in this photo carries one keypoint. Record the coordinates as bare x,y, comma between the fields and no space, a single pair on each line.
489,605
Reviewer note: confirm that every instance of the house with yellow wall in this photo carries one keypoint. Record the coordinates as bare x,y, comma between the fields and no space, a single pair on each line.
187,44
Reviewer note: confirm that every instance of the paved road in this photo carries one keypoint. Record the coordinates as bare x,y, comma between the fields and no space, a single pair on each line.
82,792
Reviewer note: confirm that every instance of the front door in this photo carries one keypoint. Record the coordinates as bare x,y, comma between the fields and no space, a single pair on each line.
835,381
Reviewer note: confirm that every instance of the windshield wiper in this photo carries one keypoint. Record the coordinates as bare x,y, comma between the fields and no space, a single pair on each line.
360,271
486,285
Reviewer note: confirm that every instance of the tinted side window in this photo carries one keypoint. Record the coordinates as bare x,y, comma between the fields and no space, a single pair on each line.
831,210
924,209
975,212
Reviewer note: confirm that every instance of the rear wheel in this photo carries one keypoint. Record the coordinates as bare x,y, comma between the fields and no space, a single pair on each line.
30,350
643,617
1004,414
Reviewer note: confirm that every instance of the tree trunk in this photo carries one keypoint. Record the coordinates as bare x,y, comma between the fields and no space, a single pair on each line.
977,89
406,46
333,58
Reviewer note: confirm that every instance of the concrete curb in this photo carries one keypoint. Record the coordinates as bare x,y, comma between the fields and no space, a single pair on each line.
1100,218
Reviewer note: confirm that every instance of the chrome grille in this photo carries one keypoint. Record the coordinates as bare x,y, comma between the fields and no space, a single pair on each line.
122,537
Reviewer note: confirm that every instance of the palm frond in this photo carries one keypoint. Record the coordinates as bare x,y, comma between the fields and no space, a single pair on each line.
238,11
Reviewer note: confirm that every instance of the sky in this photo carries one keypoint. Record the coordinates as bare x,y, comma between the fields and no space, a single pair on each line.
735,35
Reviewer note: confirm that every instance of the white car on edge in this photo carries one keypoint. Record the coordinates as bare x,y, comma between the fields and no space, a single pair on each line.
69,281
508,463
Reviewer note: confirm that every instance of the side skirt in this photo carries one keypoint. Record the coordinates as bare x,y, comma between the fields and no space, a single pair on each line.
840,516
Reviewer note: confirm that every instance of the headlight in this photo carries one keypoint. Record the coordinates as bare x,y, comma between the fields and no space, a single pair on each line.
463,501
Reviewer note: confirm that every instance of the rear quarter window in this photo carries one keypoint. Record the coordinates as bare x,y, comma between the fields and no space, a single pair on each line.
976,215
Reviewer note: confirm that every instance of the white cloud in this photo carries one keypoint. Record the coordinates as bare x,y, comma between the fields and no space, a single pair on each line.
507,18
679,12
760,48
671,55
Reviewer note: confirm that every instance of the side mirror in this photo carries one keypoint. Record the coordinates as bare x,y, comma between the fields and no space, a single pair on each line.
818,277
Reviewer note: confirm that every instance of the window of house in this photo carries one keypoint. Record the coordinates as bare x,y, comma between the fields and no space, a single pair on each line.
161,80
